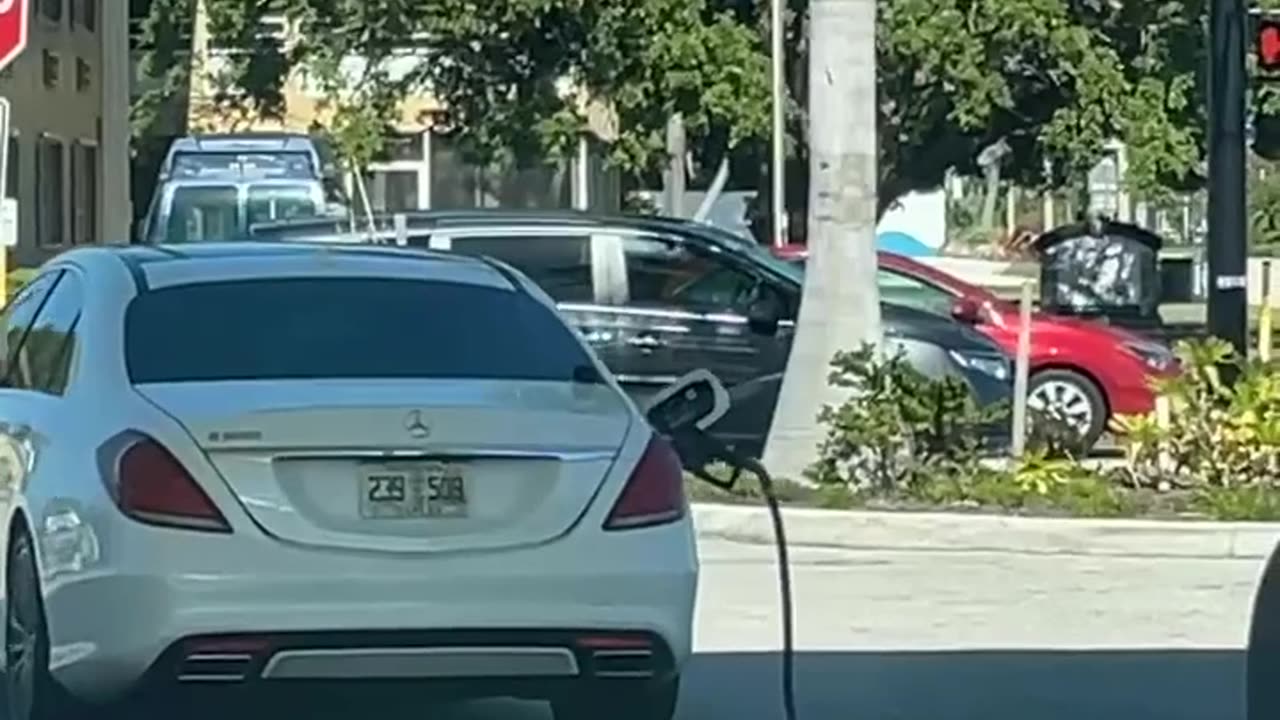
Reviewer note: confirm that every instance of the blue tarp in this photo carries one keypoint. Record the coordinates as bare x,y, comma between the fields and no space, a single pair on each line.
903,244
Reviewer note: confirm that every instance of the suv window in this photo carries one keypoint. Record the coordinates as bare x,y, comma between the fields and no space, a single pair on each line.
203,213
50,347
560,264
901,289
345,327
279,202
665,273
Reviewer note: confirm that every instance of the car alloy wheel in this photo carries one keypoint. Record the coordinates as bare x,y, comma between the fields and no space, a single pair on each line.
1072,399
1063,400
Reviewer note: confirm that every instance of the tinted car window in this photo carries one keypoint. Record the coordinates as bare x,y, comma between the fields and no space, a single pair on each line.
345,328
18,318
561,265
203,214
47,353
663,273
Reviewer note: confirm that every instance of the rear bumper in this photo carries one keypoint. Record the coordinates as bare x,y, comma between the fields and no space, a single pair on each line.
113,626
444,664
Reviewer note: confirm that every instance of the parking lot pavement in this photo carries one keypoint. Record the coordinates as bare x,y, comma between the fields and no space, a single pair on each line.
965,636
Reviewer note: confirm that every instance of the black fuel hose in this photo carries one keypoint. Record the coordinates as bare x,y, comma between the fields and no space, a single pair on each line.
784,589
700,452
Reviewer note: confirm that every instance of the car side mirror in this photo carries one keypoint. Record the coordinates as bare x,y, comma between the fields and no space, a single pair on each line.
967,311
765,313
694,403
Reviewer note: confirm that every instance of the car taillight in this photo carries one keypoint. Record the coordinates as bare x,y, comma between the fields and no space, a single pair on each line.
654,494
151,486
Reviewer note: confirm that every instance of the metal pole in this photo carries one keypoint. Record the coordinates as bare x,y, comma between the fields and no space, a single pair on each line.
1021,371
779,163
1266,320
677,150
582,176
1228,313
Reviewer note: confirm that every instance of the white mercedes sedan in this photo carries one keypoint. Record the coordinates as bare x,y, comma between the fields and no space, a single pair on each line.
264,469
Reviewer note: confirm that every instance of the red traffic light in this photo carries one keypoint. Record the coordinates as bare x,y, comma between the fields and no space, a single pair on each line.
1268,44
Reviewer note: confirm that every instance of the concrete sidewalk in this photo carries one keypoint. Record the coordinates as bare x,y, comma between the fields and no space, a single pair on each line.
936,532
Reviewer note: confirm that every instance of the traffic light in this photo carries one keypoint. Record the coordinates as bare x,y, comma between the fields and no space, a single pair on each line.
1267,44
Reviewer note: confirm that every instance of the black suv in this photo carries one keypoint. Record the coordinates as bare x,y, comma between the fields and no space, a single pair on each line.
657,297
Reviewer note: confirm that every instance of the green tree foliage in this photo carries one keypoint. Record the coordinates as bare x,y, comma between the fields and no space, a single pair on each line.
504,67
1053,78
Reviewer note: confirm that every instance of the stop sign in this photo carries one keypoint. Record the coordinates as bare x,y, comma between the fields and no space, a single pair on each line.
13,29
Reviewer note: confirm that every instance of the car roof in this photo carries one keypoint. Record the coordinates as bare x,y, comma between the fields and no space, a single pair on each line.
157,265
442,219
242,142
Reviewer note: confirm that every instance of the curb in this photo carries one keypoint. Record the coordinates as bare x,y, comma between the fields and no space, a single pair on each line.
951,532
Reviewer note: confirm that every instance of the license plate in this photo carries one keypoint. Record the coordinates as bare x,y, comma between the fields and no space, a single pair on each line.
435,490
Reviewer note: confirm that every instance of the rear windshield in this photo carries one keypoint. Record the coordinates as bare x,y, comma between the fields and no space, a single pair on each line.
345,328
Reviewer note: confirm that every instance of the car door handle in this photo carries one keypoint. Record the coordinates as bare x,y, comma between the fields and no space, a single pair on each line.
645,341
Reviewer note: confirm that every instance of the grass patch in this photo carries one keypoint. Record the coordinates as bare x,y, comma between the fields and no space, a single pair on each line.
1088,496
747,491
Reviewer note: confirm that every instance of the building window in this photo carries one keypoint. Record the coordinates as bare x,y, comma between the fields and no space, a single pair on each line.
50,195
392,190
409,147
459,183
84,193
52,69
395,181
85,13
13,168
84,75
51,10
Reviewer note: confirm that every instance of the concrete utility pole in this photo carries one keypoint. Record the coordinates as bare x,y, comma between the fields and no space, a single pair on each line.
840,308
1228,314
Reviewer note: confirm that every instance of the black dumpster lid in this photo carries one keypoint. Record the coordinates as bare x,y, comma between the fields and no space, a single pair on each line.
1063,233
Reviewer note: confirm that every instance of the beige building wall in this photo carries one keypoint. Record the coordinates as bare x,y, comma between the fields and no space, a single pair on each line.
69,140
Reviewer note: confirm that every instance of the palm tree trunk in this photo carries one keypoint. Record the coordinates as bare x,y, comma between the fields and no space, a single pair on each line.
840,308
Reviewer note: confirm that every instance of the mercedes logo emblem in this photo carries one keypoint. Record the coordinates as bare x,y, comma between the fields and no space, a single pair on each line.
414,424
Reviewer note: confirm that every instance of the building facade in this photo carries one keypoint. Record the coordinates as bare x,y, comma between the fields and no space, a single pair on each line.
69,130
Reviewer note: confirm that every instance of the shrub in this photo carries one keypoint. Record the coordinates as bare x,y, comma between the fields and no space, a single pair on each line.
1219,435
898,429
18,278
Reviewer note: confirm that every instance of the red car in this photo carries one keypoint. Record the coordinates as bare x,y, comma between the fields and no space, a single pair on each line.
1084,371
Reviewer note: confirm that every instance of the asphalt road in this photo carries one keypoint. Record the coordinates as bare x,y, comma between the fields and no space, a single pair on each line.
965,636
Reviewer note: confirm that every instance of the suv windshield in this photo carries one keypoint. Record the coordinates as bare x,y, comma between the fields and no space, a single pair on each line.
229,165
347,328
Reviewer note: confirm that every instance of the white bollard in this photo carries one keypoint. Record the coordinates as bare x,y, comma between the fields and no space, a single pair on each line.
1021,371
